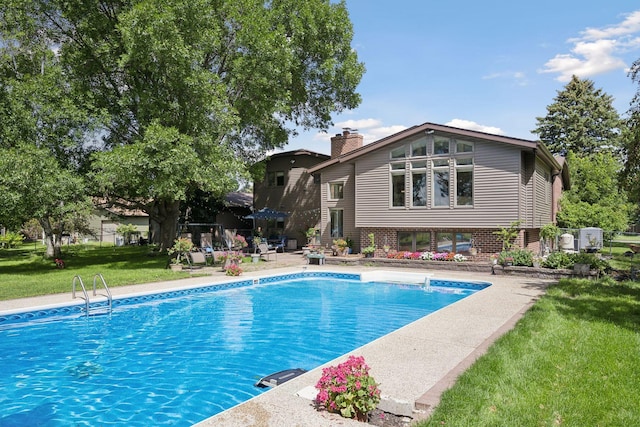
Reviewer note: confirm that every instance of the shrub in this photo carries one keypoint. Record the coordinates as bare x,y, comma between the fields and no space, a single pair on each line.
558,260
348,389
521,257
591,260
10,239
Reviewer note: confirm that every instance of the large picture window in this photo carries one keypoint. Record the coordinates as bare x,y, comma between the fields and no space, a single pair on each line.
397,184
454,242
464,182
418,184
419,148
440,182
440,145
439,173
414,241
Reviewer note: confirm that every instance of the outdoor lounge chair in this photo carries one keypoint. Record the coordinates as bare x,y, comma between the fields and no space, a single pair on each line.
197,259
264,250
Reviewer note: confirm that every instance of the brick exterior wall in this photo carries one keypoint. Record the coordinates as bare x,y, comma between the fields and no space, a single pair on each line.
484,240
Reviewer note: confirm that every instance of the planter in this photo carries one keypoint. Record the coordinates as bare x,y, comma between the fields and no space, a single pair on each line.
176,267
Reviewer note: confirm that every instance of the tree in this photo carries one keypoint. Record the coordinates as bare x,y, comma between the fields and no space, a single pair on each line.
33,185
581,120
595,199
44,136
630,175
194,90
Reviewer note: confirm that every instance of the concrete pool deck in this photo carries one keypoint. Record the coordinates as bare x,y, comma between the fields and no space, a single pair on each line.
413,365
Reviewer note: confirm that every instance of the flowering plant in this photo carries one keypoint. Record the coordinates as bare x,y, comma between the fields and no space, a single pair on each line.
233,270
341,243
348,389
231,256
239,241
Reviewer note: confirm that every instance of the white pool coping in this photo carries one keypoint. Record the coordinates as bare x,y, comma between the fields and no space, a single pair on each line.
413,364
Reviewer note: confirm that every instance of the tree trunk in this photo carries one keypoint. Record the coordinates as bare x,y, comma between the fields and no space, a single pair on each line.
52,240
165,213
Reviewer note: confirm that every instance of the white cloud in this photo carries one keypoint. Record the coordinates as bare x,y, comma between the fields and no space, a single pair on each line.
468,124
630,25
597,50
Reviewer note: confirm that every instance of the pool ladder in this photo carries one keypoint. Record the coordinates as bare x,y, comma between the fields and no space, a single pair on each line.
99,309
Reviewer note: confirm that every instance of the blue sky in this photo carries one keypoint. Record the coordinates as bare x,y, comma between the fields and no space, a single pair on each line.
490,65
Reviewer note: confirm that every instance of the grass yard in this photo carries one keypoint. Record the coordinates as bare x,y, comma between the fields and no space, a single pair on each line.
24,272
573,360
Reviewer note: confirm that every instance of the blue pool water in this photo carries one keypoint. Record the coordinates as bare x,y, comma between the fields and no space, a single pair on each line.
178,358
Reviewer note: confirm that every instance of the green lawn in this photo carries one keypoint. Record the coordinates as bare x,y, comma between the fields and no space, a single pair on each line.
24,272
573,360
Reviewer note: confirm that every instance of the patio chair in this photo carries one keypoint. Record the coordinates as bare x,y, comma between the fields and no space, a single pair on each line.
197,259
264,250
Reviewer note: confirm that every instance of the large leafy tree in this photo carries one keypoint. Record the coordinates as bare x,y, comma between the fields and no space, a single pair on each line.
595,198
581,119
34,185
194,90
582,125
43,137
631,173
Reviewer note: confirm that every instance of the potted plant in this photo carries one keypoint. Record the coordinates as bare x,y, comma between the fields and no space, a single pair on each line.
180,248
233,269
230,258
348,389
369,250
311,235
341,246
349,245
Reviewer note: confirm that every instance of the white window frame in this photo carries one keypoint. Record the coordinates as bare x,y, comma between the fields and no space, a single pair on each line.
336,231
434,170
464,167
419,168
397,169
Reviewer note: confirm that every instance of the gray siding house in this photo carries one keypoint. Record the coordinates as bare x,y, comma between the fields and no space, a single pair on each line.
439,188
288,187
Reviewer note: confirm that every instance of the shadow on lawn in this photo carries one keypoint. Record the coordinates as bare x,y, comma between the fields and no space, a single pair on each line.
598,301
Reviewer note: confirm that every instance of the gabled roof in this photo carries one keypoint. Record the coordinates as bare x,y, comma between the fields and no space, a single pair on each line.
238,199
538,146
300,152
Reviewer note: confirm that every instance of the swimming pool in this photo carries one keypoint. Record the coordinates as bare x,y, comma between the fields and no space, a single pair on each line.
180,357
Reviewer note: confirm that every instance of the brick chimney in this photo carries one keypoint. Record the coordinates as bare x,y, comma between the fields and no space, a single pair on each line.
342,144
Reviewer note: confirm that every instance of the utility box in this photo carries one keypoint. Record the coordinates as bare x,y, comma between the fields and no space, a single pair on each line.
590,239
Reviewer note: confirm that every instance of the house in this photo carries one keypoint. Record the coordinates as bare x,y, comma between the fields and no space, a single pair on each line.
439,188
107,217
232,213
288,187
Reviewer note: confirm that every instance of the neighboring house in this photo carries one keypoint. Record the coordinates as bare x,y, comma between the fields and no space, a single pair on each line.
438,188
288,187
106,219
236,206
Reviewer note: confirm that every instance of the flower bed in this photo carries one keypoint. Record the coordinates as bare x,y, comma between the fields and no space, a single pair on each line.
428,256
